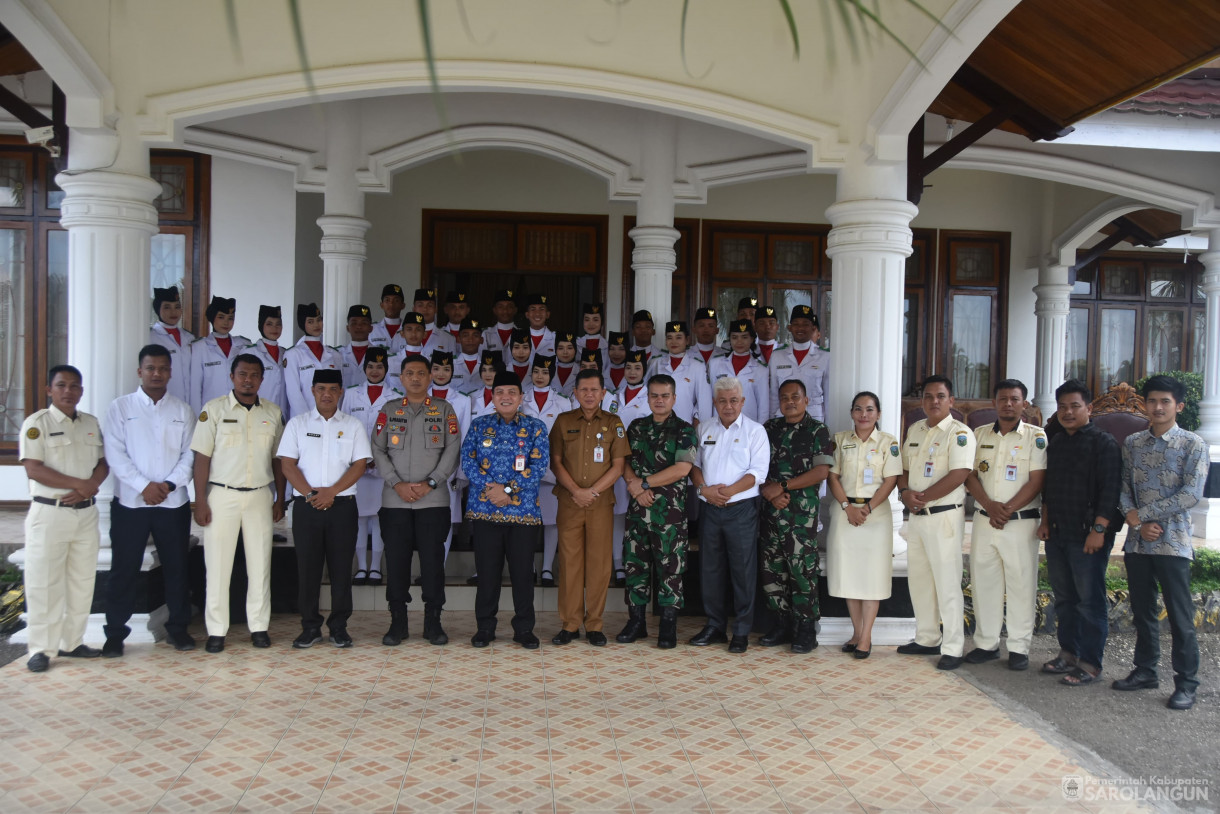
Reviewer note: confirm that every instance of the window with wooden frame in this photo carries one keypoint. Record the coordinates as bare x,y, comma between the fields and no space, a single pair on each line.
1133,315
917,309
562,256
974,281
683,276
34,267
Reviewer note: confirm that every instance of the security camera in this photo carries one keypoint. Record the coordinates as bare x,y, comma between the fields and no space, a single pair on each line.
40,135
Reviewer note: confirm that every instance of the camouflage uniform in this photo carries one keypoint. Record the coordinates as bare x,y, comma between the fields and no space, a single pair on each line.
789,536
656,537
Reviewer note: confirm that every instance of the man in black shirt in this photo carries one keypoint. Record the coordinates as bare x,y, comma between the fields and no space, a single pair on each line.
1079,520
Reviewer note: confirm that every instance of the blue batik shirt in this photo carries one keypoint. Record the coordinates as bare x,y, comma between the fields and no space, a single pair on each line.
489,455
1163,479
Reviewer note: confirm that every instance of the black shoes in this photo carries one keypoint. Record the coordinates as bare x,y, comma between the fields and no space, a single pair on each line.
398,628
620,578
482,638
637,625
709,635
112,649
916,649
215,644
949,663
527,640
1181,699
596,638
978,655
374,577
307,639
739,644
473,579
1018,661
565,636
861,654
81,651
848,648
340,638
38,663
1138,679
667,638
547,580
781,633
260,639
181,641
361,577
805,638
433,632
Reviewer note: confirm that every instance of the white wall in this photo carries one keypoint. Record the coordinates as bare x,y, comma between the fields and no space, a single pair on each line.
253,241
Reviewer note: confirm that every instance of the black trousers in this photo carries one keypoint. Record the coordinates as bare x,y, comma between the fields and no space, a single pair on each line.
406,531
324,537
129,532
493,543
1144,572
728,542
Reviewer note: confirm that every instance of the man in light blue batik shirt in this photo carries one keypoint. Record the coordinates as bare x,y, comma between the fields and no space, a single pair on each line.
1164,472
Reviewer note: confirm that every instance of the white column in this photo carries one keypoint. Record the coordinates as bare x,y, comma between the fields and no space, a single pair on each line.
869,242
653,259
1051,308
343,226
1206,515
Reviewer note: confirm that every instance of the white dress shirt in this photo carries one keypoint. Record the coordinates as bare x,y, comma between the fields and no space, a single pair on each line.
149,442
179,357
325,448
299,367
693,394
726,454
755,384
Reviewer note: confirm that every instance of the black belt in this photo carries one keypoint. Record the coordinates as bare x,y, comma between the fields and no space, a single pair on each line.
1024,514
50,501
859,501
236,488
939,509
337,498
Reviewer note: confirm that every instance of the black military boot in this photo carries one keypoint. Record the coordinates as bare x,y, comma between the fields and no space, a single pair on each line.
667,638
637,625
805,639
433,631
780,633
398,627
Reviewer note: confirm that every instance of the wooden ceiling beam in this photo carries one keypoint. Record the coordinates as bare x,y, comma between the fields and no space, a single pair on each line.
1037,124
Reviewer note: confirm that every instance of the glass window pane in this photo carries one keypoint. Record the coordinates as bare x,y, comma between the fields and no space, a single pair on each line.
726,307
1076,364
1116,348
55,195
793,258
12,185
974,265
13,292
1166,282
784,300
1166,334
57,297
1083,287
172,178
1120,281
739,255
1198,354
168,261
970,358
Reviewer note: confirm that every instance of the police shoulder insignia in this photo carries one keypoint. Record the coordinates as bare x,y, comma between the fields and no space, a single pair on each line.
203,416
961,439
453,424
894,450
32,433
1040,442
619,429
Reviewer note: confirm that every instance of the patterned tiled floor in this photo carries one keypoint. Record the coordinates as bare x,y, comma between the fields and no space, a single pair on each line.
626,728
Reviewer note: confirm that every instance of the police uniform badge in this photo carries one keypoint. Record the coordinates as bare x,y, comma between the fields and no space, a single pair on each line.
32,433
961,439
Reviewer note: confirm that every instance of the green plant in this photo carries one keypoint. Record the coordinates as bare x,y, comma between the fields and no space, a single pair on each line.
1189,417
1206,565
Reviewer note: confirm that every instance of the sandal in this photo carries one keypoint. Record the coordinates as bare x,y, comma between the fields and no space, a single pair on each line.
1058,666
1079,677
547,579
361,577
374,580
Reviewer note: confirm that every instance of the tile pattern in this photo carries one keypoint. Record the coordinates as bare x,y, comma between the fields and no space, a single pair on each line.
421,728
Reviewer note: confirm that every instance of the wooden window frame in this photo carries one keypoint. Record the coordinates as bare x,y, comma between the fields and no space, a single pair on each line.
947,289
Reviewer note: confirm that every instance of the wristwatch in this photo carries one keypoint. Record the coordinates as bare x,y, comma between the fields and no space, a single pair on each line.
784,484
845,504
508,490
431,483
1099,528
644,485
172,486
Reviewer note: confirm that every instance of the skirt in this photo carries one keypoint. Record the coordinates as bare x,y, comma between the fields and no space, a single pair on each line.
860,559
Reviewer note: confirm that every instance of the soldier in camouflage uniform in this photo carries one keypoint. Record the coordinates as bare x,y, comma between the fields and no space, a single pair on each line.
663,450
801,456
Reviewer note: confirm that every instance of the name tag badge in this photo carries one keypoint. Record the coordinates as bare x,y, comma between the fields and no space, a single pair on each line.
868,476
928,469
599,455
1010,472
519,463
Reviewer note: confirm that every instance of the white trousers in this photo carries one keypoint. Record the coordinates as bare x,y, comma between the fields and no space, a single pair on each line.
934,576
60,571
250,514
1004,574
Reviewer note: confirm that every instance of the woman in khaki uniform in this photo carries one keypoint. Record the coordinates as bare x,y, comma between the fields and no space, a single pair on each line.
860,550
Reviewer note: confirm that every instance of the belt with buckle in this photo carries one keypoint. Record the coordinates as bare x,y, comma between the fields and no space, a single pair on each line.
50,501
859,501
236,488
1024,514
939,509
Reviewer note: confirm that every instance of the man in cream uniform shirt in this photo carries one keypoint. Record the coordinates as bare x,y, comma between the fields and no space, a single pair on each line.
937,457
235,465
1009,470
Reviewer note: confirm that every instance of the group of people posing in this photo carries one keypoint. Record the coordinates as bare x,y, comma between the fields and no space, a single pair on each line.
614,449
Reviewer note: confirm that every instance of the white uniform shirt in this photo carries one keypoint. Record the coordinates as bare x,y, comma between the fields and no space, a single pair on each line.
380,335
930,453
299,366
598,342
465,376
353,368
272,387
439,339
813,370
147,443
649,352
325,448
553,405
496,337
726,454
358,404
179,358
1003,463
705,353
693,394
480,402
210,369
567,385
755,384
629,410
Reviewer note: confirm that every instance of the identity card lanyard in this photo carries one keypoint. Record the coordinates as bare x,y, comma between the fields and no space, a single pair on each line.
599,454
